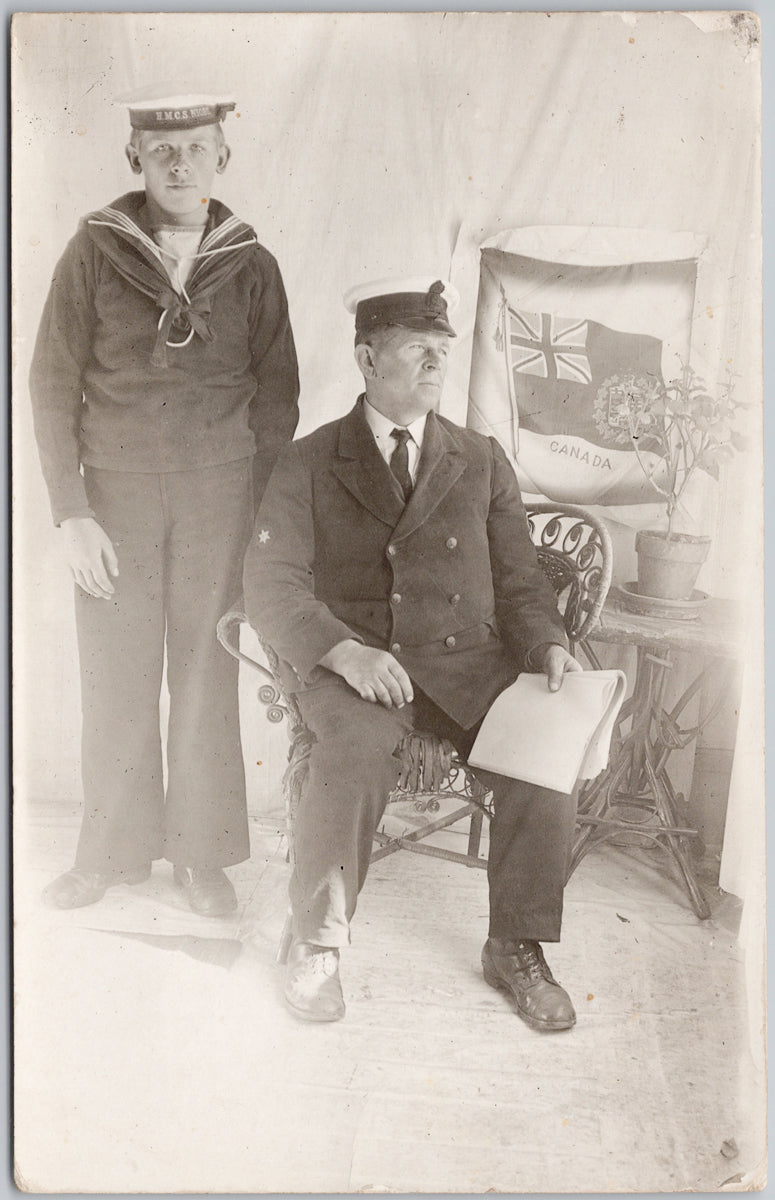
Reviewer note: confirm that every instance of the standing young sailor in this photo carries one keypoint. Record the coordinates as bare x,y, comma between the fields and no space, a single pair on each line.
164,384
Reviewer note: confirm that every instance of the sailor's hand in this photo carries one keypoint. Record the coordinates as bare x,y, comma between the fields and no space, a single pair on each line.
90,555
555,663
374,674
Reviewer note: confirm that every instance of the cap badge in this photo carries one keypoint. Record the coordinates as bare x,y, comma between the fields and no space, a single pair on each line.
434,300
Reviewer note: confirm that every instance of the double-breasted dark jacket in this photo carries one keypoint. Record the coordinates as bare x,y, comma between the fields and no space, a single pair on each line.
449,582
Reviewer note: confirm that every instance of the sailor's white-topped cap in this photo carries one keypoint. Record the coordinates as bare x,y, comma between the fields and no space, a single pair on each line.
416,302
169,106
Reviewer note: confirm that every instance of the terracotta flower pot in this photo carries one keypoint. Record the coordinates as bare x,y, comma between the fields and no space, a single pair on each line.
668,567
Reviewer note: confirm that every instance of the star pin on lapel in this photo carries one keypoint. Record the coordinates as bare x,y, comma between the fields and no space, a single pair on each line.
264,536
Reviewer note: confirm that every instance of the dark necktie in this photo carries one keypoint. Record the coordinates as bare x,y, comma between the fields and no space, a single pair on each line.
399,461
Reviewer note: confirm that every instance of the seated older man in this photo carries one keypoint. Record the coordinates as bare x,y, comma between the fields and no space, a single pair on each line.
392,571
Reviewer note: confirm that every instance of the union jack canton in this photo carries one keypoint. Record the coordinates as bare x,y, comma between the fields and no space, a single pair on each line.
548,346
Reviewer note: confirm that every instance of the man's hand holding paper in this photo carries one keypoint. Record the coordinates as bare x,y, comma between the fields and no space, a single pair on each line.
555,662
551,739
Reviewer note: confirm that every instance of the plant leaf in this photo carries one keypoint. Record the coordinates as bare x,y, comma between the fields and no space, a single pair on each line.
719,453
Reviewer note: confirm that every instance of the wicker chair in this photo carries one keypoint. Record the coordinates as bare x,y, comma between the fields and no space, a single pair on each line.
574,549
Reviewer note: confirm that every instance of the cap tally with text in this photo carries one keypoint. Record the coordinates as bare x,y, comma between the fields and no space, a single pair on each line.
167,108
418,303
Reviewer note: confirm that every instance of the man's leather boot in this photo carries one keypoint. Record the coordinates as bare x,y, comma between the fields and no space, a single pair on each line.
312,988
520,970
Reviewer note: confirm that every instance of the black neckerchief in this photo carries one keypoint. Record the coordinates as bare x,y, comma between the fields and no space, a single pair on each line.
122,233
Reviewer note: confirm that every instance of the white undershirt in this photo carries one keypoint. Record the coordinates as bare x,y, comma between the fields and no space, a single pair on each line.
381,426
179,246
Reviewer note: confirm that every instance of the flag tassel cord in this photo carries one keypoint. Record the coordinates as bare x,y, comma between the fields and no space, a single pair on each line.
505,339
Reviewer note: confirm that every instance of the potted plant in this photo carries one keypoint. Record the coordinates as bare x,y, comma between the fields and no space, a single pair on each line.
688,430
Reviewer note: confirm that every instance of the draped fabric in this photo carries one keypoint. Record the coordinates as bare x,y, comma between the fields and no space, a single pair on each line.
366,145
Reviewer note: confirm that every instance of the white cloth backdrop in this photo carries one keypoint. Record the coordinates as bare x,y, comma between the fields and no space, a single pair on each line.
365,145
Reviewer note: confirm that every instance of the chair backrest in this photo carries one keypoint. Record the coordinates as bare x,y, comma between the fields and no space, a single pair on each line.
574,549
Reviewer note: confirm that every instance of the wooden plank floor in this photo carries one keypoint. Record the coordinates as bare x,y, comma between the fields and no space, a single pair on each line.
154,1054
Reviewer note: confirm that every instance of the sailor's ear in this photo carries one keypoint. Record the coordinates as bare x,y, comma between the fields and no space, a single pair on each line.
133,158
224,154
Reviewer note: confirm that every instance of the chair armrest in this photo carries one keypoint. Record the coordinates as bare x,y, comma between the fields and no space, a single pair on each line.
227,632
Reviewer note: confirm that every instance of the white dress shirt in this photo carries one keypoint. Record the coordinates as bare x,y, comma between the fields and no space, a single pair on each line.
382,427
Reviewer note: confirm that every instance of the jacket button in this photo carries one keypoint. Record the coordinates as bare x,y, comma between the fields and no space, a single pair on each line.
391,549
451,543
395,648
454,599
396,598
449,641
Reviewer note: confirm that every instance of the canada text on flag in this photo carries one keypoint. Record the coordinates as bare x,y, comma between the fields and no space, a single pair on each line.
548,346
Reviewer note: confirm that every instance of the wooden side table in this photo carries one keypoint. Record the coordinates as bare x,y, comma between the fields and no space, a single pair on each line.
635,793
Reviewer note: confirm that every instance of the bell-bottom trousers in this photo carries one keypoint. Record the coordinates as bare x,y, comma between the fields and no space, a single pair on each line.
180,538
